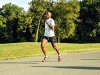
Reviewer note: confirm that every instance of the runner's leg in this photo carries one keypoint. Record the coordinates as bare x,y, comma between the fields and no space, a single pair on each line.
43,43
59,55
55,47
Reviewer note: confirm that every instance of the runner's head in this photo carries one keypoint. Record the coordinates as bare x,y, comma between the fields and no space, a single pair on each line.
48,14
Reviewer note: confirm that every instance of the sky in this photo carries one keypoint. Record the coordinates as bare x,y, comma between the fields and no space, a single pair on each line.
21,3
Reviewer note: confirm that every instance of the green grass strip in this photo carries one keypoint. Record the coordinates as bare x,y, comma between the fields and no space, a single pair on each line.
31,49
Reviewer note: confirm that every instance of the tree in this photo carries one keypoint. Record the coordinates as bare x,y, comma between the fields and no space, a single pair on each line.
11,12
25,27
88,28
3,28
67,14
38,8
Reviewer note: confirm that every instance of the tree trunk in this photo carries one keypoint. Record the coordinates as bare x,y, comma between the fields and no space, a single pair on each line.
37,31
58,40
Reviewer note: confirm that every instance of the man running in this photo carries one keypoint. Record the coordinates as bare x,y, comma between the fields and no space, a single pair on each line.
49,36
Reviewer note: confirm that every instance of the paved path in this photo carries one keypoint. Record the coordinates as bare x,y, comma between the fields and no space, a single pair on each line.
72,64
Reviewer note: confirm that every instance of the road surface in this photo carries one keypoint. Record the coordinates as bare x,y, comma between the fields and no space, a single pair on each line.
87,63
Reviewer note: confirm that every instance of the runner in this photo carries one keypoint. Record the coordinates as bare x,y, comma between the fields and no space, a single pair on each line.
49,36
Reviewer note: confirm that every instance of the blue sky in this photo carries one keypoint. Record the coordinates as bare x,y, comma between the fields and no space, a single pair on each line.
21,3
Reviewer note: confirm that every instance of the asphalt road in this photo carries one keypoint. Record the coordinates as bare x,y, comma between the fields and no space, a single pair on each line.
72,64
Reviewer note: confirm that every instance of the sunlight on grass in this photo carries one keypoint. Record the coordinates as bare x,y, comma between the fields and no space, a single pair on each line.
30,49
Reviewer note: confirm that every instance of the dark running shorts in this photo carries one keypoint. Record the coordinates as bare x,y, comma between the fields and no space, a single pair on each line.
50,39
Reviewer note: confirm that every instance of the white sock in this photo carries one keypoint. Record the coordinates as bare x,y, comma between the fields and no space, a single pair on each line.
46,56
59,55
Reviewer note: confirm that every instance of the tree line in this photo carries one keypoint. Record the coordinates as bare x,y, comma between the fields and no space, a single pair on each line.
76,21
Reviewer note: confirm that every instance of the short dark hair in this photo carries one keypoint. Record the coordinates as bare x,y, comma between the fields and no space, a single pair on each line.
49,12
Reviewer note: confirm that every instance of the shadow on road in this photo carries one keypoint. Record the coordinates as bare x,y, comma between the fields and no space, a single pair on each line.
72,67
17,63
90,59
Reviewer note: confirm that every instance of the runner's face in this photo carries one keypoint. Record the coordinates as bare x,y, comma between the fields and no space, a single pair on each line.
48,15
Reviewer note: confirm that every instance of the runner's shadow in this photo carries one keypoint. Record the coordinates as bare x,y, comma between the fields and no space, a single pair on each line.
46,61
90,59
72,67
17,63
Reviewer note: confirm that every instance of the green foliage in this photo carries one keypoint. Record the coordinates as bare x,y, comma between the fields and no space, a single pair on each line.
3,29
38,8
66,15
25,27
90,16
76,21
11,12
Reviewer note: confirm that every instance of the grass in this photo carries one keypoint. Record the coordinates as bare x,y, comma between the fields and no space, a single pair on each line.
31,49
